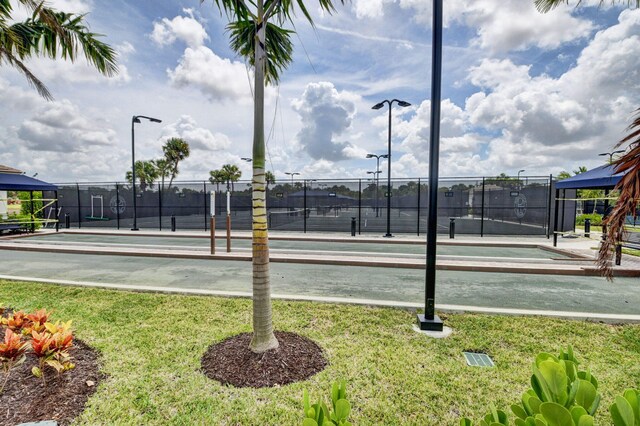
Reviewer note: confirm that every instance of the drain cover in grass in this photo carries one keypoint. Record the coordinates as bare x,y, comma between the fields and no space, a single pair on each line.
478,360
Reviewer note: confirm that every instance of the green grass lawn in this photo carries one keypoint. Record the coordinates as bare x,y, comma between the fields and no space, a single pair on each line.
151,346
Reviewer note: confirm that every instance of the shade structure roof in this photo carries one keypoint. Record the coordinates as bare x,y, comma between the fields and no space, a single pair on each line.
603,177
15,182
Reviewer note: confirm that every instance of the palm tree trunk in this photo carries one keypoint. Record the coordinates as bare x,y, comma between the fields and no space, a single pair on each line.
263,337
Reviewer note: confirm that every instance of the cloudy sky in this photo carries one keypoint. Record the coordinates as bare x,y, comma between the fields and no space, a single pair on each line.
521,90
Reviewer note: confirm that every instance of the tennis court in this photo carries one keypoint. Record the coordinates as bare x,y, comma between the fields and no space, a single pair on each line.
379,248
483,289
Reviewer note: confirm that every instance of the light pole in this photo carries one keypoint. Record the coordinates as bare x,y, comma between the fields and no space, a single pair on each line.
376,179
136,119
378,106
430,321
611,154
292,174
377,176
519,185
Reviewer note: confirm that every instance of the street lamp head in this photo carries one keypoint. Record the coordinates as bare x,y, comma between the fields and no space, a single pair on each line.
248,160
155,120
378,106
384,156
370,155
520,171
371,173
404,104
137,120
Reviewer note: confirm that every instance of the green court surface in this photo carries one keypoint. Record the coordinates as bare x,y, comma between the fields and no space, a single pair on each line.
496,290
186,243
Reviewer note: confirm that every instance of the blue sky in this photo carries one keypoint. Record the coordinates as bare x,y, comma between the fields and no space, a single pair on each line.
521,90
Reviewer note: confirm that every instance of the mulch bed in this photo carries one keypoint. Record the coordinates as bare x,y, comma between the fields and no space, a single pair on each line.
232,362
26,399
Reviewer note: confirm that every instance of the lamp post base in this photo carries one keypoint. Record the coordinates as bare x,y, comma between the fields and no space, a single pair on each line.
430,325
388,236
135,229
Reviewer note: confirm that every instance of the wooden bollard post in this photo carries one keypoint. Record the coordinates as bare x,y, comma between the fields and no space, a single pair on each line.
229,234
213,235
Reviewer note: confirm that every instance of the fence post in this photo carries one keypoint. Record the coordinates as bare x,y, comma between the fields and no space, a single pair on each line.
549,207
55,194
555,219
418,230
117,206
79,207
359,206
159,207
304,204
204,194
482,211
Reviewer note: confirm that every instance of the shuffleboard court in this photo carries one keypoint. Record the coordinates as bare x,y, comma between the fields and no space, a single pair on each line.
381,248
483,289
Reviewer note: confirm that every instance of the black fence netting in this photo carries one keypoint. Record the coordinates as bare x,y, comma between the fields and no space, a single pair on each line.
490,206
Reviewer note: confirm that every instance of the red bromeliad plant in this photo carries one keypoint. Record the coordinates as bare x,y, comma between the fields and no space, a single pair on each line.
11,353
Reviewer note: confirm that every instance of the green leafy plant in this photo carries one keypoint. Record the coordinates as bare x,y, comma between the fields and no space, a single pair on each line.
562,395
12,353
320,415
625,411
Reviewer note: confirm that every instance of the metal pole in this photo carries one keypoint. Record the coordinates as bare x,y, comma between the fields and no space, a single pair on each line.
377,186
33,217
204,194
133,174
55,194
555,219
388,234
418,206
482,211
549,206
117,206
160,208
360,206
430,321
304,219
79,207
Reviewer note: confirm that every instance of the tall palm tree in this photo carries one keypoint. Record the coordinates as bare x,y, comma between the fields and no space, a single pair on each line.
629,185
146,172
268,48
163,168
232,174
175,150
49,33
217,177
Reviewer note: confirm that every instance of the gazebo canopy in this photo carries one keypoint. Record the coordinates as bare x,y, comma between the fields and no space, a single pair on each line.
16,182
603,177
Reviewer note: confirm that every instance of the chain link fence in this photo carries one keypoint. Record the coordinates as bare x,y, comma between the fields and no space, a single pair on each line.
481,206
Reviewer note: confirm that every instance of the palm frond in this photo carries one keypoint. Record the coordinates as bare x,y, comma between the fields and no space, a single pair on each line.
545,6
279,48
629,187
22,68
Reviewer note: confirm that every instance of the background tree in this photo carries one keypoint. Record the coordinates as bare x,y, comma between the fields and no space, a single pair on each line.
49,33
232,174
268,48
269,178
629,185
217,177
163,170
146,173
175,150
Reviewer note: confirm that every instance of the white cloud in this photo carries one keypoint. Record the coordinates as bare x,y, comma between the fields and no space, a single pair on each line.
326,114
216,77
184,28
198,138
506,25
61,126
72,6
